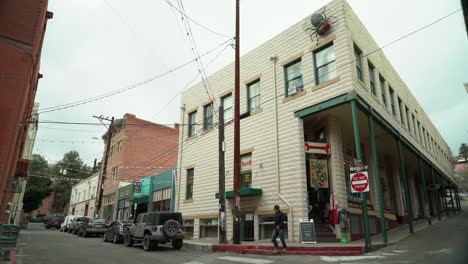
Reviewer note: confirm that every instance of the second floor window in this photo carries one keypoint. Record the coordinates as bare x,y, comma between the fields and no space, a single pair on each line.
357,55
226,102
382,90
392,100
246,171
293,75
114,173
208,116
325,66
189,186
372,79
253,95
192,119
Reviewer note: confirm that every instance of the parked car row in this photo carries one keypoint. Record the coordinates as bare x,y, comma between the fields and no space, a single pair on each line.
149,229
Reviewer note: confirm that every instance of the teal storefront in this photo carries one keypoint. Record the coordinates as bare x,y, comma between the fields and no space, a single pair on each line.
141,197
162,192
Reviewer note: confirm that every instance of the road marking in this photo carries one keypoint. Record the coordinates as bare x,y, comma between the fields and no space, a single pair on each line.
400,251
351,258
193,262
442,251
247,260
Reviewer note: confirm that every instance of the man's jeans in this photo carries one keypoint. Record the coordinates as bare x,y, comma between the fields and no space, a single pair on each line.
278,233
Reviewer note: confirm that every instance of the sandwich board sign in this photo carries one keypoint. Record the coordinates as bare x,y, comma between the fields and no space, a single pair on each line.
307,229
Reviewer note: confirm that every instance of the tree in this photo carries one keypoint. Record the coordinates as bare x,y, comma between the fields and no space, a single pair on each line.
37,188
463,151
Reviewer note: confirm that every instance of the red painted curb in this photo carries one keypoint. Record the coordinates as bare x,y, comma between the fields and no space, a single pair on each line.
266,250
13,256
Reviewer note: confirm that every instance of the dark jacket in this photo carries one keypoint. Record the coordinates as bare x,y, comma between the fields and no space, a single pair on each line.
279,219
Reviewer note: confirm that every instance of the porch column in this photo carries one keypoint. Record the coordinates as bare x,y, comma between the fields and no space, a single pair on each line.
409,208
357,142
425,195
458,200
377,177
451,198
436,197
444,193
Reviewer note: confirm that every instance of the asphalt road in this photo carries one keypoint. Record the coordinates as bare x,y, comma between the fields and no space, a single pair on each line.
446,243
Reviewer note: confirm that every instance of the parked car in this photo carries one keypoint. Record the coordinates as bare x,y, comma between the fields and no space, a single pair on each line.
39,218
65,227
54,221
156,228
76,224
92,226
115,231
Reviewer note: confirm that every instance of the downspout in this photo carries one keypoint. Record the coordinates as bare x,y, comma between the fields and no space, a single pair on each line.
181,140
274,59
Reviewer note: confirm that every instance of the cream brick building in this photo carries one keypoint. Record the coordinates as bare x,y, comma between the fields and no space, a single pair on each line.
83,197
295,89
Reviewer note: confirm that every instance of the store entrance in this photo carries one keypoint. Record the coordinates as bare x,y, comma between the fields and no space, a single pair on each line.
318,191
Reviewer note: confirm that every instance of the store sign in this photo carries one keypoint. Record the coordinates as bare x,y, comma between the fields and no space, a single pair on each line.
359,179
246,163
318,173
317,148
137,187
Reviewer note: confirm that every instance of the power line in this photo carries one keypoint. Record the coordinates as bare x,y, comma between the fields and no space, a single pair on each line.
127,88
78,130
198,24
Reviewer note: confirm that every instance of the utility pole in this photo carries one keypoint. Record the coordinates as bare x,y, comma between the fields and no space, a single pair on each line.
103,173
222,179
236,175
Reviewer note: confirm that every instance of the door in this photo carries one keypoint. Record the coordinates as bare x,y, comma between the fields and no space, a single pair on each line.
247,226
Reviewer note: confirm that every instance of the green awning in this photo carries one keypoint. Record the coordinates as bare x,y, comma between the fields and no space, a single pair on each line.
140,199
244,192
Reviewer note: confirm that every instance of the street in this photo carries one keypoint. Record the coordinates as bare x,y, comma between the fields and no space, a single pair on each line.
442,243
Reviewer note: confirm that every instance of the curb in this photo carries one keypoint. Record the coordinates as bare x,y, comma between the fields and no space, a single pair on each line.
198,247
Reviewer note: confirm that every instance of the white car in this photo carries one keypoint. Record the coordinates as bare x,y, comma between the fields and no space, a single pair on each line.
66,223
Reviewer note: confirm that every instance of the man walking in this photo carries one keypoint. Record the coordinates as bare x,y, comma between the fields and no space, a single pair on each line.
279,229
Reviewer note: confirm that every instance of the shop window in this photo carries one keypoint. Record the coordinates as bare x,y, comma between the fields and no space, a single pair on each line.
293,77
246,171
192,118
266,227
253,96
226,102
325,66
188,229
208,116
209,228
189,189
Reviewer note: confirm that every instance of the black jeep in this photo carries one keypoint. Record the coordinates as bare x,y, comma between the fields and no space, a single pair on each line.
155,228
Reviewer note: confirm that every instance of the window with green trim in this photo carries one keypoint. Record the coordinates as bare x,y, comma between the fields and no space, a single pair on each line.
192,118
372,79
382,90
253,95
246,171
226,102
293,77
189,186
357,56
325,66
208,116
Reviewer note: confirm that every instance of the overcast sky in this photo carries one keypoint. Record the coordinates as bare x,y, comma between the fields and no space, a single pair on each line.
92,47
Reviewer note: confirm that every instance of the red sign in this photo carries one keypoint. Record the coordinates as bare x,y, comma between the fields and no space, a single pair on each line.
359,182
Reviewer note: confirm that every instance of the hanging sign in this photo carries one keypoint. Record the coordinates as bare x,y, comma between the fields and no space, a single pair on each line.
359,179
317,148
318,173
137,187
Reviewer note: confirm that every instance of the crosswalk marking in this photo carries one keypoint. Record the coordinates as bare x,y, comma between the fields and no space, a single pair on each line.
351,258
247,260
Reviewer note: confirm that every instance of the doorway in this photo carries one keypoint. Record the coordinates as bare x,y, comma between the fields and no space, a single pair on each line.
318,187
247,226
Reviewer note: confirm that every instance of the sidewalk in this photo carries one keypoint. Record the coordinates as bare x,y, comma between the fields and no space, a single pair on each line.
353,248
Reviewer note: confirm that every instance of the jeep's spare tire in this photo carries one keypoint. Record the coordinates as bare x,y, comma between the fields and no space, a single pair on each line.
170,228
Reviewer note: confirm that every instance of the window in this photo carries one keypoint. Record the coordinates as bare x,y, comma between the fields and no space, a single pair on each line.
372,79
408,118
415,128
392,100
84,195
114,172
119,146
192,118
226,102
94,192
325,66
357,55
293,76
189,189
253,95
382,90
208,116
401,111
246,171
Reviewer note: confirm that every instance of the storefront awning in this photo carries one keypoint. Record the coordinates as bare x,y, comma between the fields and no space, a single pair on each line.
140,199
244,192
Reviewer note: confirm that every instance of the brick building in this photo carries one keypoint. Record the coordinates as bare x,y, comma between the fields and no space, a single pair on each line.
312,107
22,29
138,148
